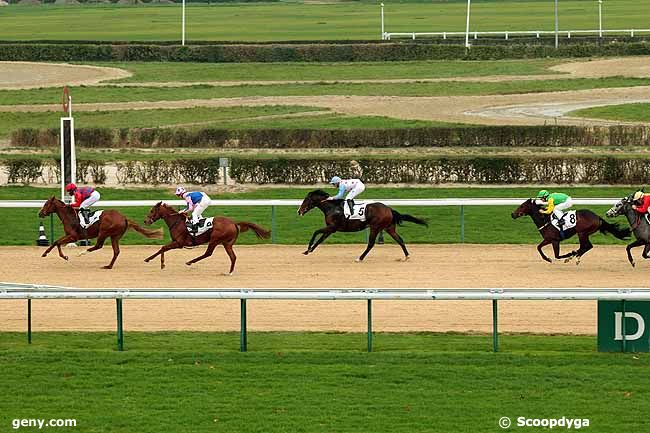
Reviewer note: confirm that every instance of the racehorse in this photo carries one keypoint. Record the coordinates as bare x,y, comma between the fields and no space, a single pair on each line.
639,224
110,224
224,231
378,217
587,223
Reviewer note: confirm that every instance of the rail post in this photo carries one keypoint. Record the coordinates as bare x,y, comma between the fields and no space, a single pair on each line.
272,223
495,330
29,321
462,223
623,326
120,329
369,325
242,334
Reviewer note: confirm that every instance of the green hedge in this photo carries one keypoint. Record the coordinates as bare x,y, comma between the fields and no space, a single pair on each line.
434,170
362,52
492,136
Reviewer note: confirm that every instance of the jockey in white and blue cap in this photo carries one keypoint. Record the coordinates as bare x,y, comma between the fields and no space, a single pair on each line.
353,187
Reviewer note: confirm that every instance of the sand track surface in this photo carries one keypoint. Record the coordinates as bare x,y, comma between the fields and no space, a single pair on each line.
32,75
331,266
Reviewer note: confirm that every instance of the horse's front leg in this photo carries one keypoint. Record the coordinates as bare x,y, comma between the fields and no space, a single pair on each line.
64,240
541,253
161,251
313,238
636,243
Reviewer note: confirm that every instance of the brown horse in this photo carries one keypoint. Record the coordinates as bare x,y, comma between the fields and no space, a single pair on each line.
224,231
111,224
379,217
587,223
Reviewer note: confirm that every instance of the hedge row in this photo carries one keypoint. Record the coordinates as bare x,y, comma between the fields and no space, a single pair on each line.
240,53
491,136
437,170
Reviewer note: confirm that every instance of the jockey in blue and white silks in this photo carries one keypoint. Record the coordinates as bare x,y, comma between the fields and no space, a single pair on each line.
353,187
197,202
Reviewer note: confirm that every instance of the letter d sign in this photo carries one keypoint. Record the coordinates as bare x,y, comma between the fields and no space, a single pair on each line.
612,324
618,326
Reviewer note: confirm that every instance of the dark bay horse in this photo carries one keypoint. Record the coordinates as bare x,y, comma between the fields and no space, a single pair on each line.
224,231
111,224
587,223
378,217
638,223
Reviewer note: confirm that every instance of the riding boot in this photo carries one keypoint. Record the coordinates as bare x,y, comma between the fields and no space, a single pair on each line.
351,206
84,214
560,224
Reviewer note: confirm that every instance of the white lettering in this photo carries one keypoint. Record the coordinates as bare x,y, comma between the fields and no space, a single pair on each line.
618,326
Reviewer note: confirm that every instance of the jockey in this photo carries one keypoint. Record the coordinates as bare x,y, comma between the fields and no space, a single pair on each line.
556,203
197,202
84,197
353,187
641,202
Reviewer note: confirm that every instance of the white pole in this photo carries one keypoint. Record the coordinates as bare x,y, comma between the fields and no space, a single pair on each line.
600,18
382,22
557,28
69,106
469,4
183,25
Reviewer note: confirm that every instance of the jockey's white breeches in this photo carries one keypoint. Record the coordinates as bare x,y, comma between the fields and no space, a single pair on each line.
558,210
355,191
94,198
201,206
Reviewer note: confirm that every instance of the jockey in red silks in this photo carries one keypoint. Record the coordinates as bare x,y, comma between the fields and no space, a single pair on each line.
641,202
84,197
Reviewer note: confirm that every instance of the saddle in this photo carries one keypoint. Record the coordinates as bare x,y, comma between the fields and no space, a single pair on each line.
92,218
358,213
201,227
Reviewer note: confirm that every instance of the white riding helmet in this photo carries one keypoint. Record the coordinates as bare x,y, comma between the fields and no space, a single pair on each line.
638,195
335,180
180,191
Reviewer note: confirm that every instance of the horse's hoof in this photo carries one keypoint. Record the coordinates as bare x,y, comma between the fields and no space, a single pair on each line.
188,263
146,260
633,264
228,274
44,255
107,267
358,260
404,259
83,253
162,267
305,253
65,258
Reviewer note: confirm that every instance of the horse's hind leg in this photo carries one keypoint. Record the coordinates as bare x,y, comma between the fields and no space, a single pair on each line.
233,257
371,243
115,243
100,243
393,233
208,252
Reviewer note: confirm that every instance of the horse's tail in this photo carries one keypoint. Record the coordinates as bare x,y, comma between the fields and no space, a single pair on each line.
399,218
151,234
615,229
260,232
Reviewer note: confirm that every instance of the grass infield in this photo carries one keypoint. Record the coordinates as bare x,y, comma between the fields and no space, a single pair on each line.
625,112
318,382
297,21
21,224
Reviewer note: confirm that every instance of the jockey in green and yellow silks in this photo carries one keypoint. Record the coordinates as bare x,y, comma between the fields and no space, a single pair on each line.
556,203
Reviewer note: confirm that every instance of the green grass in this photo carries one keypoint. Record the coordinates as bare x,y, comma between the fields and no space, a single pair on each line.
21,224
625,112
206,117
120,94
197,72
318,382
296,21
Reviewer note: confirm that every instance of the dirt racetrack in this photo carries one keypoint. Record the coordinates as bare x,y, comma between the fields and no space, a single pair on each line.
332,266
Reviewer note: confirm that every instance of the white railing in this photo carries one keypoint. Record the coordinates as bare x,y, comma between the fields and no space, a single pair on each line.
11,291
506,34
290,202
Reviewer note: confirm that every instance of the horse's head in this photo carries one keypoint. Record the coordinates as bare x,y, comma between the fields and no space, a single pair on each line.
312,200
156,212
49,207
620,208
526,208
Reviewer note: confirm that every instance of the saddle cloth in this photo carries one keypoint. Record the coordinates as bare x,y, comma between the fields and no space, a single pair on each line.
569,219
205,224
92,219
359,212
